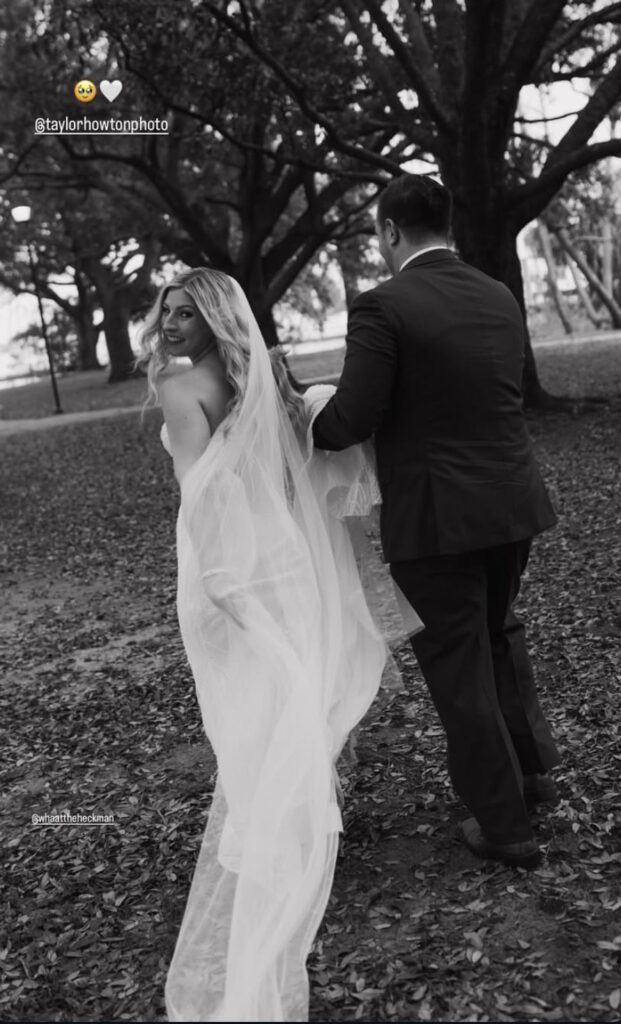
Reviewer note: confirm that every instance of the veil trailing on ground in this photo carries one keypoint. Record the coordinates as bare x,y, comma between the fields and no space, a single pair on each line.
286,658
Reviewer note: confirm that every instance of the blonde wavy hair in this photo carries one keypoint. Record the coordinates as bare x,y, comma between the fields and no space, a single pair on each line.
215,298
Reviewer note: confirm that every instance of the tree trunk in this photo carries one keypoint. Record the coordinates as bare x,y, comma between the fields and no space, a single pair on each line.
535,396
267,325
88,335
613,308
116,331
346,266
607,258
555,291
86,330
584,296
255,288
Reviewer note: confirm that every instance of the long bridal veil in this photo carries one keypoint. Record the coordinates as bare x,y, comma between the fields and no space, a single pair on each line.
286,658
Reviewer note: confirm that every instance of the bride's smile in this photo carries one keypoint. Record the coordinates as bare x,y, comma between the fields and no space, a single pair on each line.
184,330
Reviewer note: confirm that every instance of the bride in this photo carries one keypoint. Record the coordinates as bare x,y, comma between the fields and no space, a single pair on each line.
284,651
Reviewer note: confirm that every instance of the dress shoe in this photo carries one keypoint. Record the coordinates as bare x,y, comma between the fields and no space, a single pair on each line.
517,855
540,789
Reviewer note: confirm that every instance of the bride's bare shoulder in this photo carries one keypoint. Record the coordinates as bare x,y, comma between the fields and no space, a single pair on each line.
207,375
175,375
201,386
188,382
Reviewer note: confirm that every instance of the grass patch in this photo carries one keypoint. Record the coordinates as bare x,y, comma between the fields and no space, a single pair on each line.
89,391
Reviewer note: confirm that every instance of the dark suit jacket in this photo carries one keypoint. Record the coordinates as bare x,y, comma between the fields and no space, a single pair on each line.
433,369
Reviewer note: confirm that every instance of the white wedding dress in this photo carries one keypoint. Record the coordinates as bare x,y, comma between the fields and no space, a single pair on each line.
286,658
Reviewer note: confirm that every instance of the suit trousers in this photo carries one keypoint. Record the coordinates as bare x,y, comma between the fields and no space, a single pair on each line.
473,656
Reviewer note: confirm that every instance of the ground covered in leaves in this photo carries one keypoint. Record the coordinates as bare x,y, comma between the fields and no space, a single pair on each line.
101,719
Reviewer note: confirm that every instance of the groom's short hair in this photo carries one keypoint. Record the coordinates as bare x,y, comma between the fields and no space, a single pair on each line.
416,202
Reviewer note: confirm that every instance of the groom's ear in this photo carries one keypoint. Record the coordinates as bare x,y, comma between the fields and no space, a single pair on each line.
392,231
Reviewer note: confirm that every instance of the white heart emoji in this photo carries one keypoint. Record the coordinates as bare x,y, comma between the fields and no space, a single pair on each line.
111,89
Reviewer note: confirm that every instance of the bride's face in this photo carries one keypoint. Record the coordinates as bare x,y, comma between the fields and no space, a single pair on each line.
184,329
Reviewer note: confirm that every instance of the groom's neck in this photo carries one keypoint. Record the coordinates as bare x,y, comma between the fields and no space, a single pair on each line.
410,247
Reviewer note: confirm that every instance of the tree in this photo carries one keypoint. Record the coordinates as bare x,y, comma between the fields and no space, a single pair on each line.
450,74
83,251
553,285
585,219
62,339
233,184
57,278
82,240
270,200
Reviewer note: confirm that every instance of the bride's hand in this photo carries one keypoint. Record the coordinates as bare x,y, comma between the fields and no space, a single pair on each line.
233,607
227,594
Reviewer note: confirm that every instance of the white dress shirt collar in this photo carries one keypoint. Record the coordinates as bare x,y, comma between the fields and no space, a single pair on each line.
429,248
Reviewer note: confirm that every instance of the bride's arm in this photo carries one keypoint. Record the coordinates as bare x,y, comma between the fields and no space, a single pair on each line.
187,424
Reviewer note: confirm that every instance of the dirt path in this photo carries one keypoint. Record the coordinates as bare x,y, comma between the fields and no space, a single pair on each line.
9,427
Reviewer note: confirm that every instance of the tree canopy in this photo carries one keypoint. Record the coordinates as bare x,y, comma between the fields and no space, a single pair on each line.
447,77
287,119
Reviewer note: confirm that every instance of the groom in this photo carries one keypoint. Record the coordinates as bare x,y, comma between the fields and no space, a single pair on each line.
433,370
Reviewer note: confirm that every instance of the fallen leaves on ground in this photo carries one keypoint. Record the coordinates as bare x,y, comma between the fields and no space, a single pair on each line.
101,719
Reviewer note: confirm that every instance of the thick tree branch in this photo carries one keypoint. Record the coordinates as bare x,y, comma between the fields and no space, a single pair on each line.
574,253
607,94
298,91
44,287
202,234
382,75
284,278
450,54
537,24
416,60
210,120
588,71
309,222
525,202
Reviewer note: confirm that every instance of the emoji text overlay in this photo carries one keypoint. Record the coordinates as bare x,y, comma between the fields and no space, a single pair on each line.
111,89
85,90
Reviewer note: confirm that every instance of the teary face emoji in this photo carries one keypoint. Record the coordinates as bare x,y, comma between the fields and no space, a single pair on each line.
85,91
